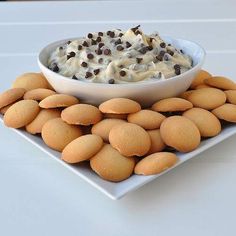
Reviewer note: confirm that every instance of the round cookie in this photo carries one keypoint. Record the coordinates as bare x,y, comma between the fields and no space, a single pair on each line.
199,79
171,105
147,119
130,139
207,98
115,116
57,134
155,163
104,127
221,83
226,112
110,165
119,106
157,143
231,96
35,127
82,148
30,81
207,123
21,113
38,94
10,96
58,100
185,94
81,114
180,133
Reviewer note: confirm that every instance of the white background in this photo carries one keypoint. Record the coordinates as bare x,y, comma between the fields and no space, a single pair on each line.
38,196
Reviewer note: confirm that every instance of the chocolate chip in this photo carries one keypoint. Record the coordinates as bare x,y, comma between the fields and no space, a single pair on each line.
119,48
100,60
93,42
137,32
159,57
88,75
170,52
98,51
96,71
159,74
90,35
100,33
169,44
181,51
162,45
68,42
135,28
55,67
112,34
107,51
74,77
177,67
143,50
118,41
111,81
101,45
120,34
162,53
80,47
122,73
71,54
90,56
108,32
99,39
151,39
128,44
60,48
84,64
166,58
139,59
85,44
177,72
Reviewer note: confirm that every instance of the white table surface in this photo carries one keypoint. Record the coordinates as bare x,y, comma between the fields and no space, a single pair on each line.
38,196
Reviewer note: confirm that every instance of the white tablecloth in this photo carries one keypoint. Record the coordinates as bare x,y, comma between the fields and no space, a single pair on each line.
39,197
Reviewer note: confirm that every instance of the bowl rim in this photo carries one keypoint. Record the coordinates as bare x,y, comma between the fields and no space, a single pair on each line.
120,85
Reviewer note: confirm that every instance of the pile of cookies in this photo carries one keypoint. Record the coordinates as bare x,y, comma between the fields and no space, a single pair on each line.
120,138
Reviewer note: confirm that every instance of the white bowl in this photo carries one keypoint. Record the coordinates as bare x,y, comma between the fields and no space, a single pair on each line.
146,92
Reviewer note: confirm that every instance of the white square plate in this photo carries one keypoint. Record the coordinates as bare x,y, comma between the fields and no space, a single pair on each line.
118,190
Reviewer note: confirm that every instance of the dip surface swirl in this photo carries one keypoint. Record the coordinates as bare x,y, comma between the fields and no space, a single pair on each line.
119,57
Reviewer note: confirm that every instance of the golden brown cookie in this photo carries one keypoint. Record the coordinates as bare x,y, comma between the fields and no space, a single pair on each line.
147,119
130,139
155,163
38,94
226,112
109,164
81,114
207,123
104,127
221,83
157,143
82,148
199,79
185,94
58,100
180,133
115,116
57,134
4,109
200,86
35,127
231,96
21,113
30,81
171,105
10,96
119,106
207,98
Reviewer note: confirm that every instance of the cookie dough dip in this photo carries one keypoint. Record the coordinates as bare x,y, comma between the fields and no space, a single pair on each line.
118,56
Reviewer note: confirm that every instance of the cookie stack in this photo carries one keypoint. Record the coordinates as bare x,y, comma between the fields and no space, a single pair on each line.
120,138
